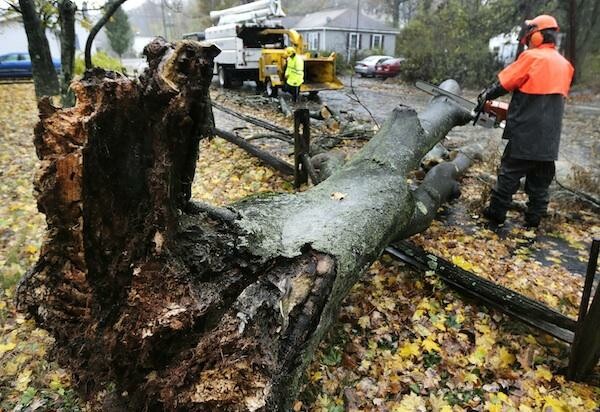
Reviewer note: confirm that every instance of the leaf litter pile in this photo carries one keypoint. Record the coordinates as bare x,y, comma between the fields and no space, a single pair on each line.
403,341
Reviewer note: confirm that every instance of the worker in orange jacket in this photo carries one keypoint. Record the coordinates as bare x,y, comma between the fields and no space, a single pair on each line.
539,79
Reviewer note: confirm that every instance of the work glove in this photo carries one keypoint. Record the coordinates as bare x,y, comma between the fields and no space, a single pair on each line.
490,93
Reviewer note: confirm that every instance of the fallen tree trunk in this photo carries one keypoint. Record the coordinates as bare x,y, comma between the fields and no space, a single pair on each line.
184,307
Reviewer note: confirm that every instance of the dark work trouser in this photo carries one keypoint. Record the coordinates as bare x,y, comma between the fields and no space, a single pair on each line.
538,176
293,90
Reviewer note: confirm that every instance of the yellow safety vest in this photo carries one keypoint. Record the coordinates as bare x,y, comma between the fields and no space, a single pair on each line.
294,72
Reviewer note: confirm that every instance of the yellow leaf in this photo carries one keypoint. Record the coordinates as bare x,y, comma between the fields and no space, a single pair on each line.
31,249
552,404
439,404
440,322
7,347
417,315
506,358
23,380
410,403
364,322
316,377
424,304
409,349
461,262
493,407
430,345
543,373
478,356
471,377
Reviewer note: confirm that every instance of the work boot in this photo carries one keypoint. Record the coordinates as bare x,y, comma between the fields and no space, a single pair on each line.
532,222
494,215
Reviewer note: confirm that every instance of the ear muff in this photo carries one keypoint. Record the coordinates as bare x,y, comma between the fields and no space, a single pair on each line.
536,39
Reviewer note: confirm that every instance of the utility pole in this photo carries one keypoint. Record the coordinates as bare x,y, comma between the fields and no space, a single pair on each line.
572,36
164,19
356,32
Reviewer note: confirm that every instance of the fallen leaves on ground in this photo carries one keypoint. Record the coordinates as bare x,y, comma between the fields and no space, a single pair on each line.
403,340
29,380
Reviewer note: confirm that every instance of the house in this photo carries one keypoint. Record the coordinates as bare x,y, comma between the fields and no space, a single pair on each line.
14,39
341,31
504,46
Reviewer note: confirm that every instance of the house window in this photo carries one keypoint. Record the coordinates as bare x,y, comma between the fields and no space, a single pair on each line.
353,41
313,41
376,41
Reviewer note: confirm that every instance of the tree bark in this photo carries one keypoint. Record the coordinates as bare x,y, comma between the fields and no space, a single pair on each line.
183,306
45,79
66,17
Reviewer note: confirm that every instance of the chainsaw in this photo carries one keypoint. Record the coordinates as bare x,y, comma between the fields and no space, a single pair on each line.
491,114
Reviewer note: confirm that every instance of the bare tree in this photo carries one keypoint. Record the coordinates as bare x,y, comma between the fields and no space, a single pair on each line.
44,74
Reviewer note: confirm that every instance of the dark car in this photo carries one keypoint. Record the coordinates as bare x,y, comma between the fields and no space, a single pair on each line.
388,68
19,65
366,66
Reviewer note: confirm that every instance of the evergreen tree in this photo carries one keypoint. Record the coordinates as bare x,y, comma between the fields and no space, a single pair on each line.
119,33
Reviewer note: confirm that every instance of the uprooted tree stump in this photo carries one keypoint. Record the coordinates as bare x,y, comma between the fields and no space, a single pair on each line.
185,306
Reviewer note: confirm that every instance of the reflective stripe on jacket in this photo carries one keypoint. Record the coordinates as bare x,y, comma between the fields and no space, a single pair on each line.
540,80
294,72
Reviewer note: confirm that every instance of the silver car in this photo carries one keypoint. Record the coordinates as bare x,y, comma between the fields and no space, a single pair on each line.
366,66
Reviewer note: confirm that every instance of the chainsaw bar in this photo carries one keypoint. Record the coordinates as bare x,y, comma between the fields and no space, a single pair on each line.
436,91
484,119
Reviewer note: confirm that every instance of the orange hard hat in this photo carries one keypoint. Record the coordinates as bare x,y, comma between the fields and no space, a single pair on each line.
541,22
533,36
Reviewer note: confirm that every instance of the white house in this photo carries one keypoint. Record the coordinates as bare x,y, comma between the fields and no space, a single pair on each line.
504,46
14,39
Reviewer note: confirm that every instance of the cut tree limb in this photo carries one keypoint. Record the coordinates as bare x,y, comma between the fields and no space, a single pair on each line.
266,157
184,307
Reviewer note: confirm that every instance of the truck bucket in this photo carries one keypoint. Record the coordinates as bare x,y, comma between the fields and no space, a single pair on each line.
319,74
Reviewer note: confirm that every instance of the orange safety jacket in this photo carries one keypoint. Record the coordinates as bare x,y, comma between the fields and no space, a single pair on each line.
541,70
540,80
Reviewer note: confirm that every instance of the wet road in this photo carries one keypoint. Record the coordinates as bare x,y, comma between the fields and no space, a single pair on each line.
374,99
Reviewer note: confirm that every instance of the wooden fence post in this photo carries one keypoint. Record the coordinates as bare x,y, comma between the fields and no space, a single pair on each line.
585,350
301,145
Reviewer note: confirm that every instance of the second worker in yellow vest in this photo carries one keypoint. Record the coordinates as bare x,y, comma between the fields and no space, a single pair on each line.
294,73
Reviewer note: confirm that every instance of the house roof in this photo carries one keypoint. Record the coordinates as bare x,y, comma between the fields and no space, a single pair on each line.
344,19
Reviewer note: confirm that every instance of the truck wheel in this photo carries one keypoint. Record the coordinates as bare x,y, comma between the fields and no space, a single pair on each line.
270,89
224,77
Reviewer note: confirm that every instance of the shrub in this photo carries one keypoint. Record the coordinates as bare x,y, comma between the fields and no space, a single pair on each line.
99,59
589,75
450,42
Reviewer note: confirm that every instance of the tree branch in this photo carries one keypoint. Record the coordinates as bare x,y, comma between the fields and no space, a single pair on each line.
99,24
13,6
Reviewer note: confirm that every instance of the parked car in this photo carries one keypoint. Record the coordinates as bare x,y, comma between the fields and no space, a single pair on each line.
389,67
19,65
366,66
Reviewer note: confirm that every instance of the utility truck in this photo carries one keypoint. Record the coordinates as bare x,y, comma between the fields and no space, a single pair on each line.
252,43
